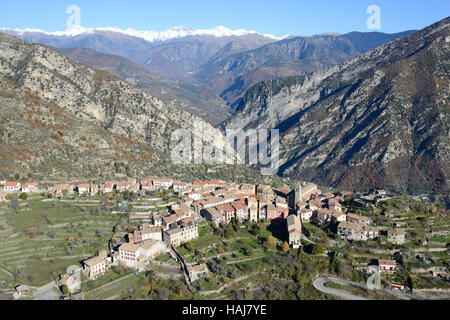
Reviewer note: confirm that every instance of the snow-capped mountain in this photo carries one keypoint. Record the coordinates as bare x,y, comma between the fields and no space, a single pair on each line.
148,35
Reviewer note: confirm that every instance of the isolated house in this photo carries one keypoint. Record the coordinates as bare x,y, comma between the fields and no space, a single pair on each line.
387,265
197,271
396,236
94,267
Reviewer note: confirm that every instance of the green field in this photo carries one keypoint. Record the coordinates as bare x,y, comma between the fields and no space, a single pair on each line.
36,248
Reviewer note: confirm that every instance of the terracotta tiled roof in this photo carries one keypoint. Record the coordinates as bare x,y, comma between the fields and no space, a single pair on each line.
386,262
93,261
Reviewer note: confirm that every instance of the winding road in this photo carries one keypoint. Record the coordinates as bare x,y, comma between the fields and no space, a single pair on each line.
319,284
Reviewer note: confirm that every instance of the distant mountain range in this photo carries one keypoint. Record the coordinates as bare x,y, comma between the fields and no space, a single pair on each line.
379,120
216,66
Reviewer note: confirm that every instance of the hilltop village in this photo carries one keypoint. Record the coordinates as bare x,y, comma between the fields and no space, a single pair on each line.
176,218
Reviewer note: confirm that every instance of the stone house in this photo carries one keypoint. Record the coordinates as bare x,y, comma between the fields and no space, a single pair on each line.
94,267
396,237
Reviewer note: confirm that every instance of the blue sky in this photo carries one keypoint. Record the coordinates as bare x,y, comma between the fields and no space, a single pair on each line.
278,17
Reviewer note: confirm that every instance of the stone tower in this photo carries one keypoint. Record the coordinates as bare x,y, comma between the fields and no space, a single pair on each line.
298,193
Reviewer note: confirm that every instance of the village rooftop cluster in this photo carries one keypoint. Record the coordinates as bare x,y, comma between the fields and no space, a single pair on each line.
217,202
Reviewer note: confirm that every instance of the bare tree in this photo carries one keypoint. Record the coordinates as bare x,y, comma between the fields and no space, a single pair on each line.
15,205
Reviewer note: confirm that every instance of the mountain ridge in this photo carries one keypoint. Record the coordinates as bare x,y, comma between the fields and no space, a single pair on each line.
380,120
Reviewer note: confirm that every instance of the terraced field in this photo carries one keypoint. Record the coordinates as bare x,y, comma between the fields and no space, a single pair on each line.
35,246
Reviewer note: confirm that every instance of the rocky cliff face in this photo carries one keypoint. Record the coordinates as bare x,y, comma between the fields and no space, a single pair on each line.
378,120
92,95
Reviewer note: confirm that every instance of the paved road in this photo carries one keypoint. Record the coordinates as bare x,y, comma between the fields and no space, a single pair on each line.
319,284
7,272
46,292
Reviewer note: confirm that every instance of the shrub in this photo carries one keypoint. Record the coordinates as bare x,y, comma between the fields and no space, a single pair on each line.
271,242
